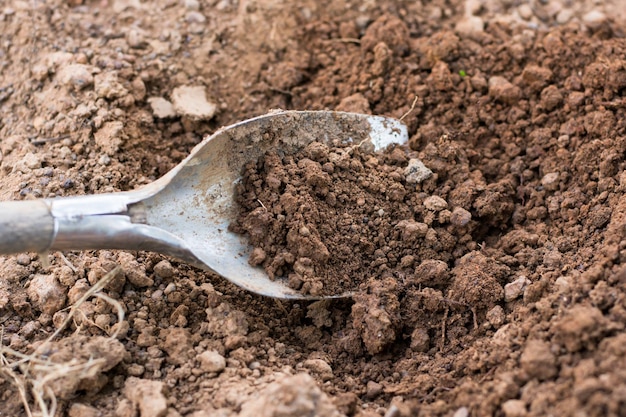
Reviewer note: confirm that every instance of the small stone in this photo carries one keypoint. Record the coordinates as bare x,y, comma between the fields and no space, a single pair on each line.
550,181
420,340
138,89
594,19
135,273
525,11
211,361
470,25
473,7
564,16
171,287
195,17
192,4
393,411
412,230
190,101
120,330
30,328
362,21
435,203
164,269
444,216
407,261
416,172
538,361
22,259
136,39
514,289
78,290
46,293
83,410
161,108
461,412
460,217
496,316
319,367
234,342
104,160
374,389
552,7
514,408
197,22
435,13
134,369
120,5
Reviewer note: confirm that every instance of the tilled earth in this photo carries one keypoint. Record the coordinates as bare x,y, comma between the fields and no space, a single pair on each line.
507,296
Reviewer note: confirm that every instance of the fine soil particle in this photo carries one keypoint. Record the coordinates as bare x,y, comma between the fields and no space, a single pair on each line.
331,219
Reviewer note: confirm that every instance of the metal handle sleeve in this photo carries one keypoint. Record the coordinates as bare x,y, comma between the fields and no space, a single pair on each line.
25,226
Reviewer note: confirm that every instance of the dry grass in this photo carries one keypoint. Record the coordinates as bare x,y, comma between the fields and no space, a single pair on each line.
33,374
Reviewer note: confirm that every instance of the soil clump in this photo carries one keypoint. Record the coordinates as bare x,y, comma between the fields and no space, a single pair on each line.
332,218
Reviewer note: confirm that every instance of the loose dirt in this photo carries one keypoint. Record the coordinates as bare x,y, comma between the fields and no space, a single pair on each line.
332,218
502,293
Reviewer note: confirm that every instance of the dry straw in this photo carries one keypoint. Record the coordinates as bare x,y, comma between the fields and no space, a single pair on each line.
35,374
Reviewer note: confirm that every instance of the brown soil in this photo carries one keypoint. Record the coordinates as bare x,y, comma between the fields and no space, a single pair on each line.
332,218
514,300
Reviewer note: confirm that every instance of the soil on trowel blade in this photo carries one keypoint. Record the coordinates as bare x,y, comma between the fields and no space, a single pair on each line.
330,219
337,220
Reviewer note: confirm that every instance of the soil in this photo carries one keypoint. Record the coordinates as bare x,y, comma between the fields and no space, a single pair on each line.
360,207
514,300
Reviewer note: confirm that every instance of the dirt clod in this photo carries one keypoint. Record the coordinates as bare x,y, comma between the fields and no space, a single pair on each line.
47,294
538,361
299,209
147,396
290,396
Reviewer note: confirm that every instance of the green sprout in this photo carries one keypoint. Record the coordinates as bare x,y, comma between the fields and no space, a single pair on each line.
462,73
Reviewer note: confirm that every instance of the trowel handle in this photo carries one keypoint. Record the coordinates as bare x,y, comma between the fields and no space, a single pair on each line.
103,221
25,226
